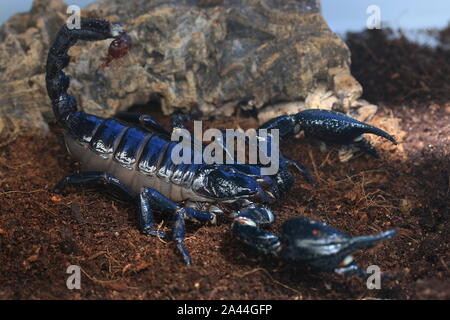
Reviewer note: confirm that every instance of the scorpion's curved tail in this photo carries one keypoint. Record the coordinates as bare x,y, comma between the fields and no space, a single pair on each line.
56,80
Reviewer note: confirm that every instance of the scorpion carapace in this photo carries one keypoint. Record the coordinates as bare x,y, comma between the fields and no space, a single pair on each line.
132,153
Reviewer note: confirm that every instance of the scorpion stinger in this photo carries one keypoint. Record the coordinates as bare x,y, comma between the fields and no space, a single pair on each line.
133,154
119,47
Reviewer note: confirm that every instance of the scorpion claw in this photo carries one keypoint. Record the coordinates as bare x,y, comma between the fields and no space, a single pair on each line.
221,183
257,214
328,126
336,127
325,247
306,241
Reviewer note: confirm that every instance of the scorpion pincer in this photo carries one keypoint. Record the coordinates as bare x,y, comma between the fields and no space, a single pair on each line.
131,153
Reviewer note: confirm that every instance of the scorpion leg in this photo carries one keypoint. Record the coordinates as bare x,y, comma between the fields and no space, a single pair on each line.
259,215
144,120
285,162
94,178
146,220
179,234
158,201
309,242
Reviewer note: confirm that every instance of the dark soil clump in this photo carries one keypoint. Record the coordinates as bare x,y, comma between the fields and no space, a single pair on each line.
394,69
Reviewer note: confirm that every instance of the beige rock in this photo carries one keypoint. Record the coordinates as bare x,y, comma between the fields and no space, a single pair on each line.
345,87
280,109
212,56
321,98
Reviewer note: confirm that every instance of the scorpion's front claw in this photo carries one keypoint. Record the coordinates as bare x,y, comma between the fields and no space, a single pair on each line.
328,126
324,247
306,241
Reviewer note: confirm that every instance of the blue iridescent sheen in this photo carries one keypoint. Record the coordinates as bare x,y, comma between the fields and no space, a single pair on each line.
152,154
107,136
130,144
82,126
167,167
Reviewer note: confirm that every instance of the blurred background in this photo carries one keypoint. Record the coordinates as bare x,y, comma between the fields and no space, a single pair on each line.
342,16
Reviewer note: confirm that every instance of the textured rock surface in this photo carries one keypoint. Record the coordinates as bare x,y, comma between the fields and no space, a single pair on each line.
210,55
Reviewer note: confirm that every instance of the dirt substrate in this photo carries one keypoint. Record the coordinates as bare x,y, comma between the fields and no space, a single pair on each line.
41,234
391,68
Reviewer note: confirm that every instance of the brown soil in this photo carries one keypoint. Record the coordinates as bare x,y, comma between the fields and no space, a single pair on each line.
41,234
393,69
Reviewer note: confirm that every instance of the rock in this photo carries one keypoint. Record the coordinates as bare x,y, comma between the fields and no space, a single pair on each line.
363,111
280,109
207,55
24,39
322,98
345,86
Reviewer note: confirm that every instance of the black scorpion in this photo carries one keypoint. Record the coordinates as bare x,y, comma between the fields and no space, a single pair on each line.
131,153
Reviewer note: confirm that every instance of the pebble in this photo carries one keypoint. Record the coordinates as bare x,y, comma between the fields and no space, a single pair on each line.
434,107
447,109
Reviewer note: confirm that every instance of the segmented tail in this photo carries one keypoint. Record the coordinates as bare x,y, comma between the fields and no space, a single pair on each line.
56,80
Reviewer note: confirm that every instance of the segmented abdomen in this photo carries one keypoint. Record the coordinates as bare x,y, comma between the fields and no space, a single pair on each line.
136,156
